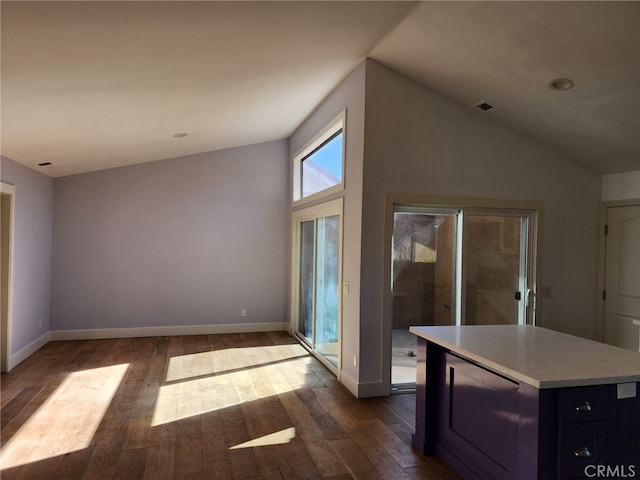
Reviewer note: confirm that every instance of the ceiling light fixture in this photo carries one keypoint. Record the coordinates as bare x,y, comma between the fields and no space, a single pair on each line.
180,135
561,84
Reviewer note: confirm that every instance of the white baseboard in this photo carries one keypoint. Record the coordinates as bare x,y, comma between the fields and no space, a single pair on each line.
371,389
359,390
102,333
349,382
27,351
362,390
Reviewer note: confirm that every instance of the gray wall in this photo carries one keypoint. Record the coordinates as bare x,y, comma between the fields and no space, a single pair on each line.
621,186
186,241
419,142
31,288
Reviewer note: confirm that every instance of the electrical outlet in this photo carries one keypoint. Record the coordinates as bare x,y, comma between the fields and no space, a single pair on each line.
626,390
243,312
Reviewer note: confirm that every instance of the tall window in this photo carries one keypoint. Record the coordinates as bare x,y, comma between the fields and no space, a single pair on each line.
318,172
318,169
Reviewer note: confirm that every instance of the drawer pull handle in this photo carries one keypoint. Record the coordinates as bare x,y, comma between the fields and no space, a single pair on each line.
582,407
583,452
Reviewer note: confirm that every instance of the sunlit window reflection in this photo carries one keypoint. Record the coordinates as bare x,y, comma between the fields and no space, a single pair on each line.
67,420
225,378
220,361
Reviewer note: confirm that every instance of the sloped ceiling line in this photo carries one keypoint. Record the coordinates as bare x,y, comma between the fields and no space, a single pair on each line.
94,85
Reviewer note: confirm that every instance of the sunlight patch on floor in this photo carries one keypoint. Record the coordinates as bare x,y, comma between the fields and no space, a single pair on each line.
252,373
277,438
220,361
67,420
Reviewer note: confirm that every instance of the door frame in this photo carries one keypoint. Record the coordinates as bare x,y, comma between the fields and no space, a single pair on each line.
602,259
332,207
438,202
5,348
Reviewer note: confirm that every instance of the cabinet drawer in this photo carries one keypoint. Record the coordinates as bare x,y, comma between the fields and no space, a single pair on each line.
581,445
582,404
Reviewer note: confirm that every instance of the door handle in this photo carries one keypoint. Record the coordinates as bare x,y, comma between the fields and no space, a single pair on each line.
527,296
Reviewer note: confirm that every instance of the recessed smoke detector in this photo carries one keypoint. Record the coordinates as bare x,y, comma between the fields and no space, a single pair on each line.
561,84
484,106
180,135
45,164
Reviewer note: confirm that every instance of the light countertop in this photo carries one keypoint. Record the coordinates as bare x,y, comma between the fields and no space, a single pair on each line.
537,356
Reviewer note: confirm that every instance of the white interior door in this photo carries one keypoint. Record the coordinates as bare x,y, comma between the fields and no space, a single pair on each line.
622,279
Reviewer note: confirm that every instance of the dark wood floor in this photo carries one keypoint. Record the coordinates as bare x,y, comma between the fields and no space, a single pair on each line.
199,407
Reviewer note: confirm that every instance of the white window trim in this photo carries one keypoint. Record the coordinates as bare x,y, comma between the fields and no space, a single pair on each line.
338,123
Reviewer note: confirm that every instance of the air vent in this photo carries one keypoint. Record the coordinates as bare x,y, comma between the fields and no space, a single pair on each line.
45,164
484,106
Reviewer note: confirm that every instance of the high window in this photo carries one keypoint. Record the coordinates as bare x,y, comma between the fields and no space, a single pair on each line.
318,169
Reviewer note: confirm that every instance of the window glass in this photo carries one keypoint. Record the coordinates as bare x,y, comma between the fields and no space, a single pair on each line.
322,169
318,167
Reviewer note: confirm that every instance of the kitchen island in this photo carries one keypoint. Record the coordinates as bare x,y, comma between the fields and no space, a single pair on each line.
510,402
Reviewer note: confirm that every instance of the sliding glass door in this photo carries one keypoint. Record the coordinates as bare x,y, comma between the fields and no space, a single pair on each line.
495,268
423,275
317,277
306,279
456,267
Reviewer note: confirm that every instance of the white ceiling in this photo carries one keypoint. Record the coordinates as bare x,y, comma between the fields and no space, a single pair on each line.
94,85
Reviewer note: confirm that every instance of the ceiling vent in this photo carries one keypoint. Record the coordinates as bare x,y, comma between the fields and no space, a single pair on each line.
484,106
45,164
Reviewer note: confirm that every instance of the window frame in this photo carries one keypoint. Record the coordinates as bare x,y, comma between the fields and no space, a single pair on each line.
336,125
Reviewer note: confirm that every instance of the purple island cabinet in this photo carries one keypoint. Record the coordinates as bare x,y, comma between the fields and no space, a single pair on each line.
518,402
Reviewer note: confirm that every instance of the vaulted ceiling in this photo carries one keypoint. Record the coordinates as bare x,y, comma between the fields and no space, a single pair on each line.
93,85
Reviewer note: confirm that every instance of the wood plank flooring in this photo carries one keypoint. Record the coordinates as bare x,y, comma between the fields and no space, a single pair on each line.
237,406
